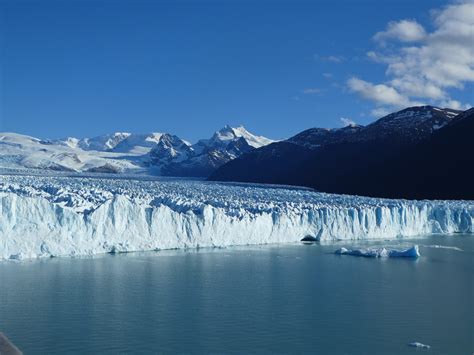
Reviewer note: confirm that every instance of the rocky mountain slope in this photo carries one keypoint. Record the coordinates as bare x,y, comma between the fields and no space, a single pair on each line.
178,158
402,155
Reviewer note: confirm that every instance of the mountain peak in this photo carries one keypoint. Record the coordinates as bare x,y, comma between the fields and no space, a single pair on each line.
229,133
121,134
419,110
226,132
350,126
419,113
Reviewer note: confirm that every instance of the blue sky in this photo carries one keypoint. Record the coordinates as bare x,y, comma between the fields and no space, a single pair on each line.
84,68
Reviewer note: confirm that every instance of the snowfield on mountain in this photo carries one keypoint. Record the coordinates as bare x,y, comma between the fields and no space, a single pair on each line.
122,152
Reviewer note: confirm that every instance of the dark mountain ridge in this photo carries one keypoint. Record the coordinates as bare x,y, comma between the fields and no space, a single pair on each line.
417,153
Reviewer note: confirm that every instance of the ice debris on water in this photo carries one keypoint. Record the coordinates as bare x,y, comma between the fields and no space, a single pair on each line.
437,246
416,344
412,252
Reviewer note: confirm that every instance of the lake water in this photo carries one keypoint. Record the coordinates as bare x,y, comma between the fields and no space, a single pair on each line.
285,299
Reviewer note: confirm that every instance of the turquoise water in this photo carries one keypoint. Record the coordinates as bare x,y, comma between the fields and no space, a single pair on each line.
285,299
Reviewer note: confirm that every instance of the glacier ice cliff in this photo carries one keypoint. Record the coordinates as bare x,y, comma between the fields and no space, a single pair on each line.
66,216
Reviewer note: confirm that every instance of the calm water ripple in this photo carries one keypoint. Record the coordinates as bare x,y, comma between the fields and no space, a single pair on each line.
285,299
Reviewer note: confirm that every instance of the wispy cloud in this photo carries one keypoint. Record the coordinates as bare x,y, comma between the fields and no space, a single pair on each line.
404,31
347,122
330,58
311,91
380,112
380,94
423,66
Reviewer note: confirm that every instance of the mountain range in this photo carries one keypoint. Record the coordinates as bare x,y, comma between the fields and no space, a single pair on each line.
419,152
122,152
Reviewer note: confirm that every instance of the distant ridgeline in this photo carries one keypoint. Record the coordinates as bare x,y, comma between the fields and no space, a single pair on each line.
417,153
122,152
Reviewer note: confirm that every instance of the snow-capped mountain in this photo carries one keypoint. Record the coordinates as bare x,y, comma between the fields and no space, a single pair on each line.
170,148
381,159
154,153
229,134
413,123
121,142
175,157
19,152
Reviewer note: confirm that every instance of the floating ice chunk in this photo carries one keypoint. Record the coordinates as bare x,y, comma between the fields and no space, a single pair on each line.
374,253
416,344
412,252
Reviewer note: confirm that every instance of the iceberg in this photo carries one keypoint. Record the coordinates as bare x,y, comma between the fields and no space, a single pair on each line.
412,252
43,216
416,344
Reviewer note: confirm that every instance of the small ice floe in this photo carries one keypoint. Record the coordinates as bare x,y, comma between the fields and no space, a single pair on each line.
412,252
416,344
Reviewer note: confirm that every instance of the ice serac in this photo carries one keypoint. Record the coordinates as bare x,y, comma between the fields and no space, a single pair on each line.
60,216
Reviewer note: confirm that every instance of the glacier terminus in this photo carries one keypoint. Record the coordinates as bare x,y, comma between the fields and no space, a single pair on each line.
44,216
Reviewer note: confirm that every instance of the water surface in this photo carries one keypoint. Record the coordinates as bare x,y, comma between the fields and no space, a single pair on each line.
285,299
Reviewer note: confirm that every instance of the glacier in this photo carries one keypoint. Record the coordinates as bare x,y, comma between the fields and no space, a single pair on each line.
43,216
